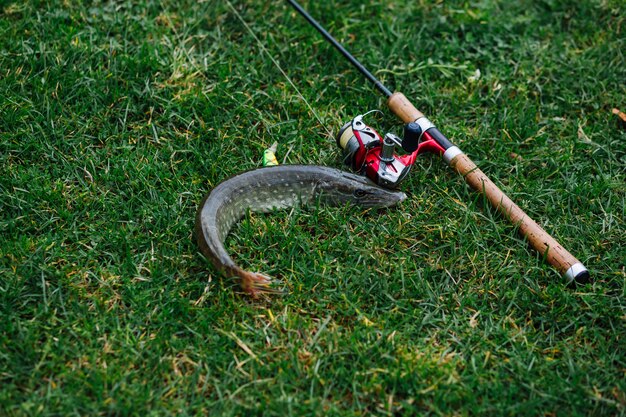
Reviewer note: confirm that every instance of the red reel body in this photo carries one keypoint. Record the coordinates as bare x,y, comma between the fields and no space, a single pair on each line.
368,153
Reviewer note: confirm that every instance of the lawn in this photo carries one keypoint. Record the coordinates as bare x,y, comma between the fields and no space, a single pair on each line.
116,118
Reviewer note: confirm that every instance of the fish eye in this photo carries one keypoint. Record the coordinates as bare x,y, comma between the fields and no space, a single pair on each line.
359,193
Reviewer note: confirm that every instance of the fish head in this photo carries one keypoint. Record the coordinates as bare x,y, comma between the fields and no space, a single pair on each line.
348,188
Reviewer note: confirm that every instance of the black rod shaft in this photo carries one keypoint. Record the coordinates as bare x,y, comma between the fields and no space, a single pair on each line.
341,49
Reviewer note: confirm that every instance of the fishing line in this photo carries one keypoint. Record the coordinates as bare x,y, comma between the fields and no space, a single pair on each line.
249,29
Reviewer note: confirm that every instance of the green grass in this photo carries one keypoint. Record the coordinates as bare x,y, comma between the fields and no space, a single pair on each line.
116,118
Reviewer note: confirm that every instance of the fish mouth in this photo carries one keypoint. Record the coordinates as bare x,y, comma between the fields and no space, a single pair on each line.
389,199
397,197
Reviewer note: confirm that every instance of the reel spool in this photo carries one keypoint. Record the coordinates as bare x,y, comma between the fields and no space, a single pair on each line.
368,153
355,138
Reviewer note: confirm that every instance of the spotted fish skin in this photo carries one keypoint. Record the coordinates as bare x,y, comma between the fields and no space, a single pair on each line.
276,187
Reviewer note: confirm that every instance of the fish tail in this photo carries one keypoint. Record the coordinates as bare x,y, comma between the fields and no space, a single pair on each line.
256,283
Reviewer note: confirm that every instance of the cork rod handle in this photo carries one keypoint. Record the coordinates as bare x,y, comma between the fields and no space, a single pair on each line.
403,108
539,239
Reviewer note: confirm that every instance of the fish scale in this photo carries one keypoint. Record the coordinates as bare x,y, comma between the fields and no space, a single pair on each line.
270,188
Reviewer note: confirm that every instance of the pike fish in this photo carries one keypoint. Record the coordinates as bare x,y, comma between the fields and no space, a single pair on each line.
270,188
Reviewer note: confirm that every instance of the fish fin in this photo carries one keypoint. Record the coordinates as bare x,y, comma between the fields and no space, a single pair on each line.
256,283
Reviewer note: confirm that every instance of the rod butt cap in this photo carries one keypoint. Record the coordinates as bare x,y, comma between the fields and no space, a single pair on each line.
577,274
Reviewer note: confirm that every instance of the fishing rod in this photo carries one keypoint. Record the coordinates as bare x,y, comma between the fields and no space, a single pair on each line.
370,154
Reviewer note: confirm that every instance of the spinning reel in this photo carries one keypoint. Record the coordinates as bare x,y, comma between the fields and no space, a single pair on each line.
370,154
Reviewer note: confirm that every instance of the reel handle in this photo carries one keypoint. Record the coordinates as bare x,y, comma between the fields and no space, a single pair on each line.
556,255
